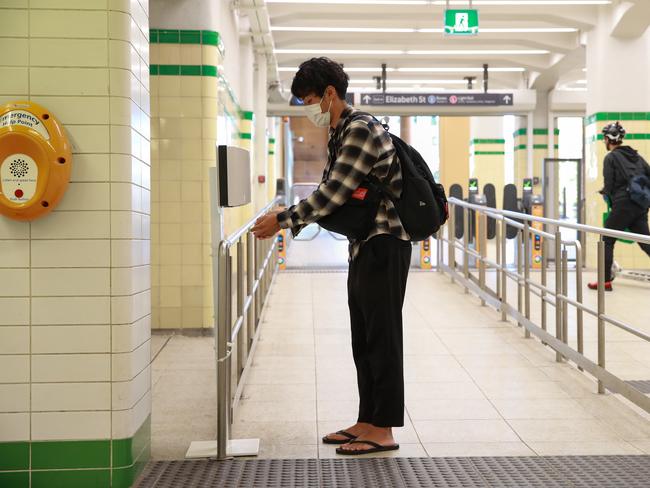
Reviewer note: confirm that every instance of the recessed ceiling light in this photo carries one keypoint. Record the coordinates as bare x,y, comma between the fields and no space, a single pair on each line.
400,30
514,3
415,82
401,89
339,51
440,52
293,69
479,52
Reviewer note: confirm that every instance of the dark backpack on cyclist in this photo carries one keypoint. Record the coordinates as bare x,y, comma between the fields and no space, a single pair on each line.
422,206
638,186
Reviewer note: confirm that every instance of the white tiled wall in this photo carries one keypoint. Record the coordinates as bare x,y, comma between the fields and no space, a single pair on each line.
75,298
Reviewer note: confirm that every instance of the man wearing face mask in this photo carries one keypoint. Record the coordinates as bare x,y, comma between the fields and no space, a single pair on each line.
358,146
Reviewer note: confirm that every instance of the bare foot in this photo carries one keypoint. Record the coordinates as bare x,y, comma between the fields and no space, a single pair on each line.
356,430
381,435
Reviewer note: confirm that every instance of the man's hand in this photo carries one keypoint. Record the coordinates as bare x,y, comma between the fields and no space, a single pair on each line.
267,226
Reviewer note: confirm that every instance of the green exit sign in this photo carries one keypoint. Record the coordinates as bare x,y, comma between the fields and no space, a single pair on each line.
461,22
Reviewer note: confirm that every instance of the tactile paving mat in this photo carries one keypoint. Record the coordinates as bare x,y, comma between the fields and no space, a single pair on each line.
474,472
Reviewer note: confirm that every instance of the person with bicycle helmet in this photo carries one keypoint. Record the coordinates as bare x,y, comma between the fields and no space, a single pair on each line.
620,165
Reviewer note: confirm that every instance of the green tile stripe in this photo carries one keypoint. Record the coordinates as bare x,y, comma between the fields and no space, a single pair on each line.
71,454
246,115
637,137
14,479
607,116
536,132
71,478
488,141
182,70
245,135
271,153
535,146
182,36
488,153
271,140
14,456
72,464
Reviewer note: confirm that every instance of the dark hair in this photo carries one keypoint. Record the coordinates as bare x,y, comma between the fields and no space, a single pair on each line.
316,74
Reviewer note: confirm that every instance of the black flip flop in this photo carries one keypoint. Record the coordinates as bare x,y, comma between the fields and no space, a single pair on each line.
350,437
376,448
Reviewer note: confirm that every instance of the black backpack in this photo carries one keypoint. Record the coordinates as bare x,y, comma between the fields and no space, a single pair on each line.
422,207
638,185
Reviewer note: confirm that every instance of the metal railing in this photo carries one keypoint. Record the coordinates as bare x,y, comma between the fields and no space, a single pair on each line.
556,296
236,333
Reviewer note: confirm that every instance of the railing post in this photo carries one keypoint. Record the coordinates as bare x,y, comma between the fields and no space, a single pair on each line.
601,310
223,401
565,292
580,324
250,282
466,215
526,238
497,242
451,243
504,270
544,283
482,240
558,290
258,291
241,350
520,258
229,320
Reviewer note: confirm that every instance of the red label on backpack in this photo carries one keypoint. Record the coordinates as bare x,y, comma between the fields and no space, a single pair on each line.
360,193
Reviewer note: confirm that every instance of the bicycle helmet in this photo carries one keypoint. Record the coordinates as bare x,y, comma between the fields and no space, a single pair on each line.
614,132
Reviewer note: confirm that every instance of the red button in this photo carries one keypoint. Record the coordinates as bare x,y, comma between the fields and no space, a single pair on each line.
19,193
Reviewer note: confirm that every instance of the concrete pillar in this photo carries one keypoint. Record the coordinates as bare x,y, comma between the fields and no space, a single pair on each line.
75,311
487,153
618,77
454,151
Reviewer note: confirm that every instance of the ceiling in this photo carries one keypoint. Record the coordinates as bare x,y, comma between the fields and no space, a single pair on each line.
528,44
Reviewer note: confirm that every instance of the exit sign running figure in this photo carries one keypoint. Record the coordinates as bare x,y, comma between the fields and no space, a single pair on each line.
461,22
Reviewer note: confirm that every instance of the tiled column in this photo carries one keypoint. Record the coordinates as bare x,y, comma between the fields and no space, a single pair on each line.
617,91
487,154
188,113
454,151
637,125
75,296
540,152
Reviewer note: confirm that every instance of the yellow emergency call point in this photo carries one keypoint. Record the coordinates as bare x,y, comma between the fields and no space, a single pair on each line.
35,161
537,210
282,249
425,254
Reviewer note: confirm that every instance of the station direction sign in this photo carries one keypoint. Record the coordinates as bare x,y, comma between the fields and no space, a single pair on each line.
296,102
461,22
439,99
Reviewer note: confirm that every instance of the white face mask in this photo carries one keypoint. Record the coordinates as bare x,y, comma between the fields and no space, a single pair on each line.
318,118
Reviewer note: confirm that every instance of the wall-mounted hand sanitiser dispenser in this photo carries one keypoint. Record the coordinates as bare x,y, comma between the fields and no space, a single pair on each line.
234,176
35,161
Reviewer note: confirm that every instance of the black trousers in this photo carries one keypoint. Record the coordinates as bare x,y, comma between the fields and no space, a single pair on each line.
376,288
625,215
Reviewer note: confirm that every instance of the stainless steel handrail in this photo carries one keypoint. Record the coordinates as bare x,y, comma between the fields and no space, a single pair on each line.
255,270
557,296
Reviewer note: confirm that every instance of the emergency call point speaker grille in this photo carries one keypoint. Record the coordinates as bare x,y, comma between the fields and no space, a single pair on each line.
18,168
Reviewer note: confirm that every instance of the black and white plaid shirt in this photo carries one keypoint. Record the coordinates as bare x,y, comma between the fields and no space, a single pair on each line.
355,150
